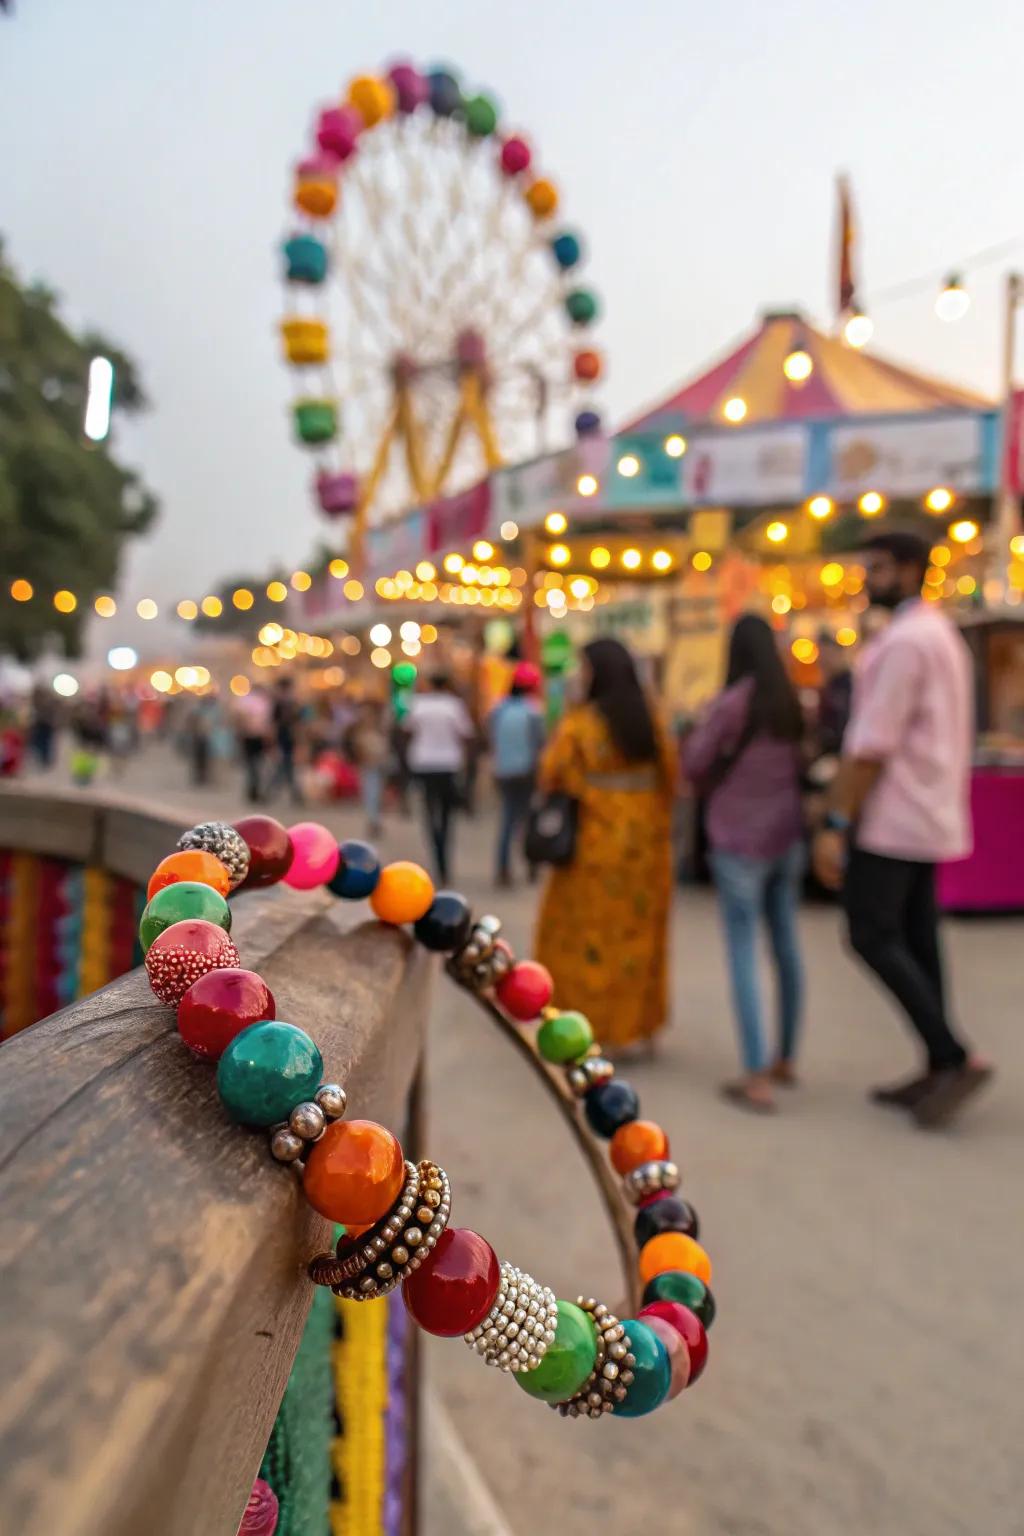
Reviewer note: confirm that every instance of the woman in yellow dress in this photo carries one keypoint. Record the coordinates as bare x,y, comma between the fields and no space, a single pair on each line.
602,930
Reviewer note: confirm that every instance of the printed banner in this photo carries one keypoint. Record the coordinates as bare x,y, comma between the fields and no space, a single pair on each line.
751,467
908,457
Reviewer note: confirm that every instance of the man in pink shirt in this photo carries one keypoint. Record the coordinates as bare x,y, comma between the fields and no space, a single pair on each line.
900,805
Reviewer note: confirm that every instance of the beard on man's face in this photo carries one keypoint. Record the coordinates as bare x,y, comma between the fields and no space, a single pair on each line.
886,594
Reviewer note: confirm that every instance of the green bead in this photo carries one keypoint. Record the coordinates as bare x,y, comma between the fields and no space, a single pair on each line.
565,1037
568,1361
174,903
481,116
266,1070
581,305
689,1290
652,1373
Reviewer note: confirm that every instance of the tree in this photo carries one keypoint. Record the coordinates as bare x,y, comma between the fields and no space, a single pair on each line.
66,505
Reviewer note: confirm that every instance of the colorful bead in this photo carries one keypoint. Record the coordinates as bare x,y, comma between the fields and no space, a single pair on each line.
403,893
694,1336
581,306
679,1285
224,842
665,1212
674,1250
454,1289
542,198
566,249
445,93
678,1354
266,1070
201,868
270,850
445,925
515,156
354,1173
261,1512
639,1141
373,99
569,1360
357,873
174,903
610,1105
565,1037
481,116
410,87
652,1373
314,856
525,991
183,953
219,1006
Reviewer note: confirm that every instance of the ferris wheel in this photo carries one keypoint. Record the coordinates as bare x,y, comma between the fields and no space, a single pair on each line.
435,317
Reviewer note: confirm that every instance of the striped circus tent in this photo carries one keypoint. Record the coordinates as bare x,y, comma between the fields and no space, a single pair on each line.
827,380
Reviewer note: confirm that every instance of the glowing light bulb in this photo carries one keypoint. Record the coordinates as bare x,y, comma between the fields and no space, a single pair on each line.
242,599
821,507
701,560
600,558
735,410
628,466
65,685
301,581
631,559
846,636
338,569
964,531
805,651
509,530
380,634
953,301
99,399
482,550
559,554
939,500
146,608
661,560
239,685
776,533
160,680
270,634
675,446
22,591
587,485
212,607
798,366
105,607
871,503
277,591
453,564
65,601
353,590
858,330
122,658
831,574
425,571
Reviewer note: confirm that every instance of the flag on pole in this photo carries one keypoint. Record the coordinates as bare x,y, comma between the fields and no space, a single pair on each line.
846,288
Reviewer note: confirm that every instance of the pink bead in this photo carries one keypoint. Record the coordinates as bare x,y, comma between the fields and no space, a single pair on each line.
515,156
318,167
261,1512
411,88
525,990
315,858
678,1354
337,130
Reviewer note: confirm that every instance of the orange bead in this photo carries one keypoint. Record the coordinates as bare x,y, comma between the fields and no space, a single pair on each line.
403,893
189,864
636,1142
354,1173
673,1250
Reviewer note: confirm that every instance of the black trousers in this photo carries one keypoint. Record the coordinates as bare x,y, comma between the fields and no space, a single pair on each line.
893,923
439,801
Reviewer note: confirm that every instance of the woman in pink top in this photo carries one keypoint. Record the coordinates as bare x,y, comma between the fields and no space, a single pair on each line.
745,755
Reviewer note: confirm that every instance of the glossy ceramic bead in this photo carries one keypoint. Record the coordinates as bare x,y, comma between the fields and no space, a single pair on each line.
665,1213
525,991
674,1250
357,873
678,1354
639,1141
403,893
270,850
189,864
679,1285
184,952
610,1105
454,1289
652,1373
354,1173
565,1037
174,903
219,1006
695,1337
314,856
266,1070
445,925
568,1361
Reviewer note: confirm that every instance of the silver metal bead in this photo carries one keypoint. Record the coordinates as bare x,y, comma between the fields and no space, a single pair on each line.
286,1146
588,1073
332,1099
400,1255
649,1178
489,924
307,1120
220,839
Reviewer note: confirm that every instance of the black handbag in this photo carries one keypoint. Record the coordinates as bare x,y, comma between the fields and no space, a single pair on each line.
551,828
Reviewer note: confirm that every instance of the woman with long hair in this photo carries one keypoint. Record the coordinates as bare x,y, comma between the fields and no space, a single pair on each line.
745,757
603,924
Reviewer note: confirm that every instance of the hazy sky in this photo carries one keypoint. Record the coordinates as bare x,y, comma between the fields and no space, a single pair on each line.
146,171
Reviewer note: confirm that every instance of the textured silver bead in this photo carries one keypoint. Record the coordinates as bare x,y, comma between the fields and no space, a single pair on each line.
649,1178
224,843
286,1146
609,1380
586,1074
403,1241
307,1120
509,1336
332,1099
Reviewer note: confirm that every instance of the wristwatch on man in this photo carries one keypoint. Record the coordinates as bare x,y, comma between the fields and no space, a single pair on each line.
835,821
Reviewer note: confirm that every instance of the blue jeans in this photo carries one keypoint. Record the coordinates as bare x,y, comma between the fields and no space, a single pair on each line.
749,889
371,789
516,791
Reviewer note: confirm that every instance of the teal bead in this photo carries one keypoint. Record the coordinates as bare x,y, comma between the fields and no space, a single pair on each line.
266,1070
689,1290
652,1373
174,903
568,1361
565,1037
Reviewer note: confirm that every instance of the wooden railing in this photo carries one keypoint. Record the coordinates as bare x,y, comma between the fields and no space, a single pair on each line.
152,1257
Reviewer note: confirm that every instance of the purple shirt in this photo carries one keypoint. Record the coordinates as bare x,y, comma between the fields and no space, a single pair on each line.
913,711
755,810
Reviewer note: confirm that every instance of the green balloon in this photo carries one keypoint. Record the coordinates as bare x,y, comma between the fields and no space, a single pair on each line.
404,674
266,1070
481,116
568,1361
174,903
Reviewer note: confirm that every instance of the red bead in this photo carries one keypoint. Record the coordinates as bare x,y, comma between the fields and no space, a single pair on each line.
219,1006
689,1325
526,990
184,952
454,1289
270,850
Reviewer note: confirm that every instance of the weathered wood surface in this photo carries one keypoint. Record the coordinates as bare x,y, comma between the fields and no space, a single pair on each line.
152,1286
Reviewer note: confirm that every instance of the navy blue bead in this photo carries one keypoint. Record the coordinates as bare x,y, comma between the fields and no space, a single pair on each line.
357,873
610,1105
445,95
446,923
668,1215
588,423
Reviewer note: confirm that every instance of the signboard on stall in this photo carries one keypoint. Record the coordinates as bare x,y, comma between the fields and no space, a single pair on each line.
526,493
395,546
750,467
908,457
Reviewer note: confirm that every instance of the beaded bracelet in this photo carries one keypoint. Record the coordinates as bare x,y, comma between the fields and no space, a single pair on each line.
394,1214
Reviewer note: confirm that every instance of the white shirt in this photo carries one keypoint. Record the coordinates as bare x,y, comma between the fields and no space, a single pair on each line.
439,727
